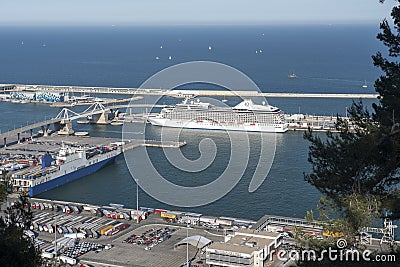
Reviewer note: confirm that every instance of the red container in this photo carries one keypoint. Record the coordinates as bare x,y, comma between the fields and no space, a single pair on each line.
159,211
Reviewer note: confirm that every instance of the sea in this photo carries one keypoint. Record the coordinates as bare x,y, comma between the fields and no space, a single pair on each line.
326,59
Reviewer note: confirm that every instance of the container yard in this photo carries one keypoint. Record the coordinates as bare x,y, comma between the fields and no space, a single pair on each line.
83,233
113,234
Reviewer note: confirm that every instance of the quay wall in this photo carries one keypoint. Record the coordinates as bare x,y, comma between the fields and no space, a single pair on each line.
177,92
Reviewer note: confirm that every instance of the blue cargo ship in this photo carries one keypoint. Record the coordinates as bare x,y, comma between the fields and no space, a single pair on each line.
70,164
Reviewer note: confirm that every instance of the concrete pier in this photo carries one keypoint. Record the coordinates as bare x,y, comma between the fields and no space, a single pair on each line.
173,93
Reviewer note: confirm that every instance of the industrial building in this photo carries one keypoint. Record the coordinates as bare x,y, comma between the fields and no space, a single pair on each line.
243,248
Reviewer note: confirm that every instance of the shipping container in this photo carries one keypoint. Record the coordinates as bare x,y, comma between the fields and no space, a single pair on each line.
159,211
106,213
107,232
274,228
205,219
106,228
326,233
150,210
168,215
68,260
47,255
95,234
126,216
223,222
122,226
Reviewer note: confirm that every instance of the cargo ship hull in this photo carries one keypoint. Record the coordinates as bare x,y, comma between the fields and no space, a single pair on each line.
69,177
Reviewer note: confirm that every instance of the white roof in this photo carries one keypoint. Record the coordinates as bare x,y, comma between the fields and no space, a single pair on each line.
197,241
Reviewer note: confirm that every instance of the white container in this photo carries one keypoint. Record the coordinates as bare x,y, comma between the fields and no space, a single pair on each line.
68,260
47,255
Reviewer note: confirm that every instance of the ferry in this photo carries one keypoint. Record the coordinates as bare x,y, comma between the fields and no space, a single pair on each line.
246,116
70,163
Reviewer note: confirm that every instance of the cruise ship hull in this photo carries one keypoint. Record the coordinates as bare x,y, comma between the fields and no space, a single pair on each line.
69,177
208,125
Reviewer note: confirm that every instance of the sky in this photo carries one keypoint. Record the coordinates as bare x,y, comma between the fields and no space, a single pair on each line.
190,12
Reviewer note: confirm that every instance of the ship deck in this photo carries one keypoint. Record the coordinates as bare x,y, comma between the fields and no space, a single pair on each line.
53,143
28,152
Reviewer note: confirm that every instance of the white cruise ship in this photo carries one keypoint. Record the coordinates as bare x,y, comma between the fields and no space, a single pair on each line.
246,116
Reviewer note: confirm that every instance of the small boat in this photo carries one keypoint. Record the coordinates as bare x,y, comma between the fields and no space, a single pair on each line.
292,76
365,84
209,48
116,123
83,122
81,133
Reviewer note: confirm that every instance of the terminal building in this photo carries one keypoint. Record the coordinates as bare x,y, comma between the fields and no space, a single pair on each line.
244,248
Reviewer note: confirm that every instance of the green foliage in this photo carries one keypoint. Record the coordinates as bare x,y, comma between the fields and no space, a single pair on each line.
358,168
361,212
363,159
16,249
4,182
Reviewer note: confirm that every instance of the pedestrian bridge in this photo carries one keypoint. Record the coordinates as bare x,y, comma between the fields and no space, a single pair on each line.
97,113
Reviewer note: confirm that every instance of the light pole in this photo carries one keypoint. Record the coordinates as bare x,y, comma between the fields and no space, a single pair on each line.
187,243
137,198
55,232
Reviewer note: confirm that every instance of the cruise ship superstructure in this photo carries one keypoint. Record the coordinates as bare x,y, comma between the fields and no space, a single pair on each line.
246,116
70,163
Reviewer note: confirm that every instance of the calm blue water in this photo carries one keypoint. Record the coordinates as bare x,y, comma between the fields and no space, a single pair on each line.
326,58
330,59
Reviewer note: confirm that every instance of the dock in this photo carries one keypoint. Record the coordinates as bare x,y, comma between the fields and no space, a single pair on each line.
173,93
153,143
52,143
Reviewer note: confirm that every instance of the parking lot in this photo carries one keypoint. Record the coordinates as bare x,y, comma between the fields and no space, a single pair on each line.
151,237
162,254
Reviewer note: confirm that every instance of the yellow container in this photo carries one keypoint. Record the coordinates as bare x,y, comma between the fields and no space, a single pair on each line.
168,215
332,234
104,230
